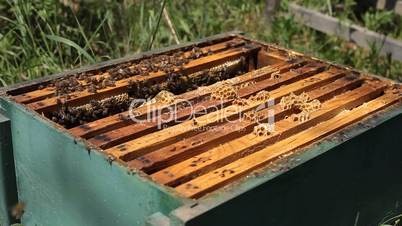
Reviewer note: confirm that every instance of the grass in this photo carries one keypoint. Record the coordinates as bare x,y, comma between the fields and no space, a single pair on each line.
382,21
393,221
38,38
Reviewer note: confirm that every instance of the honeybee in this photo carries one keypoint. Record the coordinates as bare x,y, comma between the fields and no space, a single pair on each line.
18,210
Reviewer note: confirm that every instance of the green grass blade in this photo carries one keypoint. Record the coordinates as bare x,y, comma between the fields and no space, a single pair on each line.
71,44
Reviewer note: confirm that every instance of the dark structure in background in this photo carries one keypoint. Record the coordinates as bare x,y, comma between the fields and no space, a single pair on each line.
361,6
8,187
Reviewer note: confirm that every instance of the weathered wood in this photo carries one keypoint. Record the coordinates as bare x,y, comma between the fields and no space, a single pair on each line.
116,121
28,86
267,58
181,150
158,139
232,150
393,5
270,9
127,133
121,86
222,176
47,92
350,32
185,152
398,8
124,134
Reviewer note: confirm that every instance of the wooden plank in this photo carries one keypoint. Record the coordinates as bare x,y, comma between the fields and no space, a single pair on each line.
126,133
265,58
47,92
121,86
398,8
223,175
350,32
28,86
116,121
270,9
381,4
237,148
184,149
114,137
392,5
149,142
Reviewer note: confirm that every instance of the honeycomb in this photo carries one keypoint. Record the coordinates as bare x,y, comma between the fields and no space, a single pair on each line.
114,100
301,117
224,91
311,106
260,96
71,115
293,100
301,102
262,129
252,116
246,84
164,97
241,102
226,65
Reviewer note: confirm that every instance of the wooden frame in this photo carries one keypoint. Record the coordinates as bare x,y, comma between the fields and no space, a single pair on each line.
65,163
349,32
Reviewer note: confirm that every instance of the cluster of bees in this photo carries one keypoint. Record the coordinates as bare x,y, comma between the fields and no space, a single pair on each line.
179,83
176,82
73,116
143,89
88,81
68,85
163,92
301,102
225,71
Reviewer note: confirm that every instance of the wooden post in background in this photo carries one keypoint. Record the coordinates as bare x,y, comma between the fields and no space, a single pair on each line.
270,8
391,5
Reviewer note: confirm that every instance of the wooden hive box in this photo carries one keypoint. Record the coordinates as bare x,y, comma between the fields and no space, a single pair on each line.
233,132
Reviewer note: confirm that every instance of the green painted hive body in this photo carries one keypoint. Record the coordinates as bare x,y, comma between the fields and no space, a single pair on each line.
353,176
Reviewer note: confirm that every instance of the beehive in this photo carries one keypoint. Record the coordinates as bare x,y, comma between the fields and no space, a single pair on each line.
177,136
